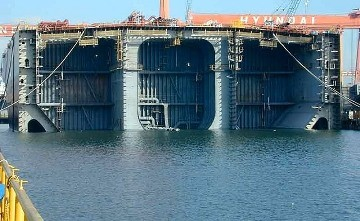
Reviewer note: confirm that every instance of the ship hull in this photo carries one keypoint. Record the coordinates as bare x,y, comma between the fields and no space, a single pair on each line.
179,78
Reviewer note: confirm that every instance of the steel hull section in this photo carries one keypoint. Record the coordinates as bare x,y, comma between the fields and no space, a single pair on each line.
189,78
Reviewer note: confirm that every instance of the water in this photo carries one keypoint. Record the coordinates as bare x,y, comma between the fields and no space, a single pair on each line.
190,175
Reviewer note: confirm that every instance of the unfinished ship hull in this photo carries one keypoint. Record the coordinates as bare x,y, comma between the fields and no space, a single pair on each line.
122,78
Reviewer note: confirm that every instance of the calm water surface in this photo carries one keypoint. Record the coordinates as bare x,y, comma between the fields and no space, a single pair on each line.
190,175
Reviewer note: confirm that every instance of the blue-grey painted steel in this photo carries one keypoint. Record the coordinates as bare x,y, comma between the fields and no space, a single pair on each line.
192,78
172,84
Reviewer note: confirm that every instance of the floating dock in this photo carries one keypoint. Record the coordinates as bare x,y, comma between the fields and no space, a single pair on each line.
121,77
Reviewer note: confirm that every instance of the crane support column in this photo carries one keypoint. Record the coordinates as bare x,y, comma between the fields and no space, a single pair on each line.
357,69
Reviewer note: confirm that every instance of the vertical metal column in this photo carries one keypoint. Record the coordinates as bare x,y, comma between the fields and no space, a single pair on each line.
60,109
38,66
329,63
119,47
357,65
235,57
334,82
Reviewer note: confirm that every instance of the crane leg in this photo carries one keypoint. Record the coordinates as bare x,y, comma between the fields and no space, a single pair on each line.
357,69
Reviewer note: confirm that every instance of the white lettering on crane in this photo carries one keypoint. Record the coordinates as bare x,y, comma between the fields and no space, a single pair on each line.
3,30
244,19
279,20
292,20
266,18
13,29
256,19
303,21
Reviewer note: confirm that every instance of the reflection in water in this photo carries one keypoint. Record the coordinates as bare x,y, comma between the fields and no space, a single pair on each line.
190,175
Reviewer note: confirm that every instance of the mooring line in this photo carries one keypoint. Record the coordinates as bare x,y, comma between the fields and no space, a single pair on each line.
318,79
51,74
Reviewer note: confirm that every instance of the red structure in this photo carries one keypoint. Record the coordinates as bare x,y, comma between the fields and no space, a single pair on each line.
7,30
307,22
164,9
47,26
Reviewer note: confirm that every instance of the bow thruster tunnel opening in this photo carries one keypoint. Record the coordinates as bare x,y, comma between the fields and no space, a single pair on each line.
176,84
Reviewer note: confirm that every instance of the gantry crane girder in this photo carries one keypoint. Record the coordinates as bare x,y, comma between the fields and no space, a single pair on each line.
305,22
7,30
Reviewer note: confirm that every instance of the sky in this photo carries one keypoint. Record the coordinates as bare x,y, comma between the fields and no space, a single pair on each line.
76,11
90,11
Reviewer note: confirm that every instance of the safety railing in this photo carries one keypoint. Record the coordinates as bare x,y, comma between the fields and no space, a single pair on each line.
15,203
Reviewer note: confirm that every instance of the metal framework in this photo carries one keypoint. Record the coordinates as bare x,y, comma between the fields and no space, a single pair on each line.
211,75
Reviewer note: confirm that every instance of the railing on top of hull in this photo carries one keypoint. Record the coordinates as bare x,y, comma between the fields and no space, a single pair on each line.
15,203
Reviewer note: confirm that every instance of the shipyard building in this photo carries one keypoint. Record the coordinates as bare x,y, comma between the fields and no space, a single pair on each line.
121,77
